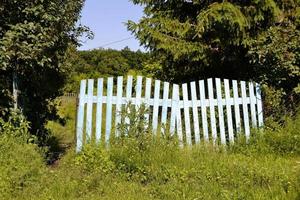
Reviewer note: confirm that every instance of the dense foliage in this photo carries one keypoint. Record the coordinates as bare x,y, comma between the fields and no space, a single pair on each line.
34,38
194,39
103,63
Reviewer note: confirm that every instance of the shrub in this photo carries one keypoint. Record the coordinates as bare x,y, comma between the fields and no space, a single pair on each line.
286,139
94,159
15,126
276,138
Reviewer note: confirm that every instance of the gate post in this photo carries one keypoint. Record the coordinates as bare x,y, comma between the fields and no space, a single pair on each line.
80,116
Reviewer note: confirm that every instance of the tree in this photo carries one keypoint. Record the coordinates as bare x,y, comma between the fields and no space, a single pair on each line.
102,63
275,56
34,38
198,39
135,59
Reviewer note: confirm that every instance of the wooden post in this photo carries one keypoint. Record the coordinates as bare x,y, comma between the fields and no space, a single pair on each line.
80,116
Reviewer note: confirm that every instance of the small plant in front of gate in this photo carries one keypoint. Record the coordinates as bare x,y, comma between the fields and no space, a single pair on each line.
135,127
134,121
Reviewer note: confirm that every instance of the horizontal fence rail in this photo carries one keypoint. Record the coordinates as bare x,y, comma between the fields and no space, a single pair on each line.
70,95
207,110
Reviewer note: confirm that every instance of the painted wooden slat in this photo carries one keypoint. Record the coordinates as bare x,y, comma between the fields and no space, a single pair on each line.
89,112
178,119
174,106
186,108
254,100
147,100
179,127
155,107
164,113
129,88
119,104
128,97
80,116
203,109
252,105
195,112
245,110
228,111
259,106
99,109
236,106
212,110
138,92
220,111
110,87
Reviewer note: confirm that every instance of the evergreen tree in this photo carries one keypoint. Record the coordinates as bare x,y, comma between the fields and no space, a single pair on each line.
196,39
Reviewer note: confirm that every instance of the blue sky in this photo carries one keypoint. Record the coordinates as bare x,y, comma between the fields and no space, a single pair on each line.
106,19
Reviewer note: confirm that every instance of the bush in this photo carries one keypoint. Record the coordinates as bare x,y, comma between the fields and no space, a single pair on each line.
276,138
94,159
285,140
15,126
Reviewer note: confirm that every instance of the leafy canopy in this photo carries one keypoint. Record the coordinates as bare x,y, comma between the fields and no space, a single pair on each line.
34,38
103,63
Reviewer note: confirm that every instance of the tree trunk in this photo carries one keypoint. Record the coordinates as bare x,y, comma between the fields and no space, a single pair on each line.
15,90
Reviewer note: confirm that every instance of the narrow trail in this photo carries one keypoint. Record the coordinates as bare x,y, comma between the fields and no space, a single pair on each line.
62,137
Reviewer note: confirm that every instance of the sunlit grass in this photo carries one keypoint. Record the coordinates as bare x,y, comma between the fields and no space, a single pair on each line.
140,167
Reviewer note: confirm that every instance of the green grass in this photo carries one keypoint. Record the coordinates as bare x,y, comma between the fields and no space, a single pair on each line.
65,133
142,168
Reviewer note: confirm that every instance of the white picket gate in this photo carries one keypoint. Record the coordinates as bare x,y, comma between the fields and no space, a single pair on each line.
208,112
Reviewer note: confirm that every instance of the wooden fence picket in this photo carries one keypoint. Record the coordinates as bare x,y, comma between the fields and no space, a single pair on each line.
163,110
212,110
155,106
110,83
252,104
138,92
245,110
119,103
174,109
80,116
228,110
186,109
99,109
195,112
178,116
220,111
147,100
259,105
203,110
236,106
89,112
128,97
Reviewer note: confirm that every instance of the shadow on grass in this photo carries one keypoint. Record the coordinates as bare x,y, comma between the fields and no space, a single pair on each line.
54,150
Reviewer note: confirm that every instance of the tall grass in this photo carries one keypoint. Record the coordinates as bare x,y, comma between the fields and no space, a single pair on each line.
142,167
